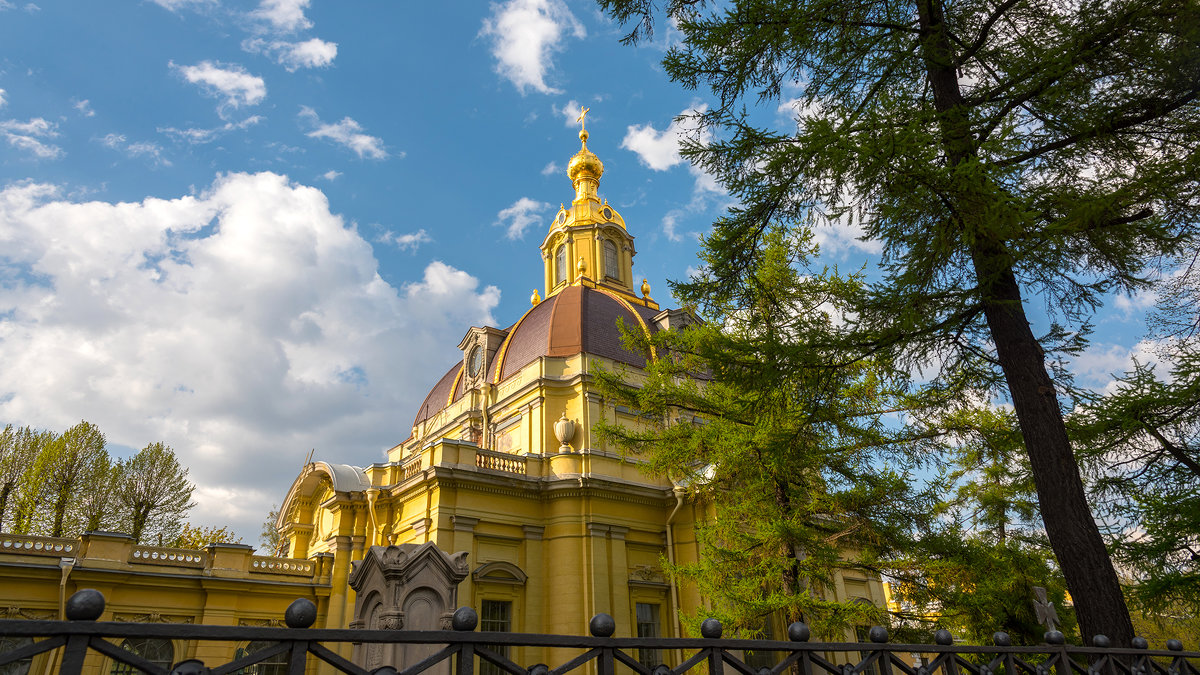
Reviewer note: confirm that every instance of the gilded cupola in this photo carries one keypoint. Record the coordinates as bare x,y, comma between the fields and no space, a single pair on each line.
585,170
587,242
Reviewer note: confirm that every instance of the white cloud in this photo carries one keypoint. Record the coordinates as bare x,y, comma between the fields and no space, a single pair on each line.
569,112
659,150
29,136
146,149
1098,366
347,133
3,99
314,53
331,174
85,108
518,217
197,135
242,325
406,242
283,15
525,34
232,83
551,169
176,5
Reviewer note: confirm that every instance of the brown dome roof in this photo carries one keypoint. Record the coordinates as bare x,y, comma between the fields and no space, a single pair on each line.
577,319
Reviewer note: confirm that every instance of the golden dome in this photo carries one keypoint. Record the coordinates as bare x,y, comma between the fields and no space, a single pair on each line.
585,163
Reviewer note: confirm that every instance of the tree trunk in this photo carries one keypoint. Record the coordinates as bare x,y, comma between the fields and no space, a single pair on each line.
791,573
1074,536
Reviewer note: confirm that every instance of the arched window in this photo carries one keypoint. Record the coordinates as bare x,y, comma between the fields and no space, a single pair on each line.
560,264
159,652
275,665
610,260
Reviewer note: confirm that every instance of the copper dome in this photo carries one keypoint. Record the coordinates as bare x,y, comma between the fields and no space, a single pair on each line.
577,319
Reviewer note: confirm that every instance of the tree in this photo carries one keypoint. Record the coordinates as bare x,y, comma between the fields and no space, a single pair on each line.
974,568
18,447
95,503
997,151
785,456
270,539
65,469
155,492
1142,450
199,536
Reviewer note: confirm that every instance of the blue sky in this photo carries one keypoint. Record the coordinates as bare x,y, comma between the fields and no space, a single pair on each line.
251,229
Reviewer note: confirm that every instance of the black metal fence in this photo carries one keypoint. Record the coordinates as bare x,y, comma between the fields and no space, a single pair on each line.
296,648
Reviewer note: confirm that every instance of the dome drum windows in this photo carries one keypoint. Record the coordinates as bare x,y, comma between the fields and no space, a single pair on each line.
611,268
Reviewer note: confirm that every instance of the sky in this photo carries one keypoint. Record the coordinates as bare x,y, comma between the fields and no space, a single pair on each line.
254,229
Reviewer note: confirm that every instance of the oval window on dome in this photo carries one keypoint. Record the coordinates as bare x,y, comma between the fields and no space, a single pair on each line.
475,361
607,213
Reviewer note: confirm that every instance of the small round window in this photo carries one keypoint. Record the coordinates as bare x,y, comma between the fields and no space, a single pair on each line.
607,213
562,216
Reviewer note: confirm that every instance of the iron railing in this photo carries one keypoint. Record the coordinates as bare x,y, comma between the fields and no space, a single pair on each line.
601,653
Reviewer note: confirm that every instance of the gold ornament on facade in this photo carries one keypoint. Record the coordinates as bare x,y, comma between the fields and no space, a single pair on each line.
535,299
645,288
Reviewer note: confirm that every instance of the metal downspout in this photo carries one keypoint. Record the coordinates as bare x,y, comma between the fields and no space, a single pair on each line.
678,491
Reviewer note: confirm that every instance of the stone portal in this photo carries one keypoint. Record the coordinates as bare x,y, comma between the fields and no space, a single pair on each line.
405,587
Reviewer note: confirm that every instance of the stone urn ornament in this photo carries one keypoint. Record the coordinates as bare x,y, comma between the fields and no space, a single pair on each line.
564,430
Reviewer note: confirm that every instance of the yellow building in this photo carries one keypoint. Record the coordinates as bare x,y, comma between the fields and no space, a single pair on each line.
501,462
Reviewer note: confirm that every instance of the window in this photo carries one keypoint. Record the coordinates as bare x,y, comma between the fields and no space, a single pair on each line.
648,627
11,643
560,265
757,660
159,652
496,615
275,665
863,634
610,260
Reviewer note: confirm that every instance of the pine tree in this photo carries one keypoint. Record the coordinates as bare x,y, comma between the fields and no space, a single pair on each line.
1000,152
792,464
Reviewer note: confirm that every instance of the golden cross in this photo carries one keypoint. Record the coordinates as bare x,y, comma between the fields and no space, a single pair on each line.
582,114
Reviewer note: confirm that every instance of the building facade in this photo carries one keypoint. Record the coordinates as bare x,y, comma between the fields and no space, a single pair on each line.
500,462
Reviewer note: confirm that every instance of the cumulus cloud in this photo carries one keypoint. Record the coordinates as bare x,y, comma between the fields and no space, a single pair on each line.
347,133
195,136
406,242
30,136
525,35
551,169
242,325
232,84
286,16
659,150
518,217
331,175
314,53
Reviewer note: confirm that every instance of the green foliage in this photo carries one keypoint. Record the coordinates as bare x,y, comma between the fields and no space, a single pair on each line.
154,492
791,464
199,536
1142,449
270,540
994,150
63,485
975,586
